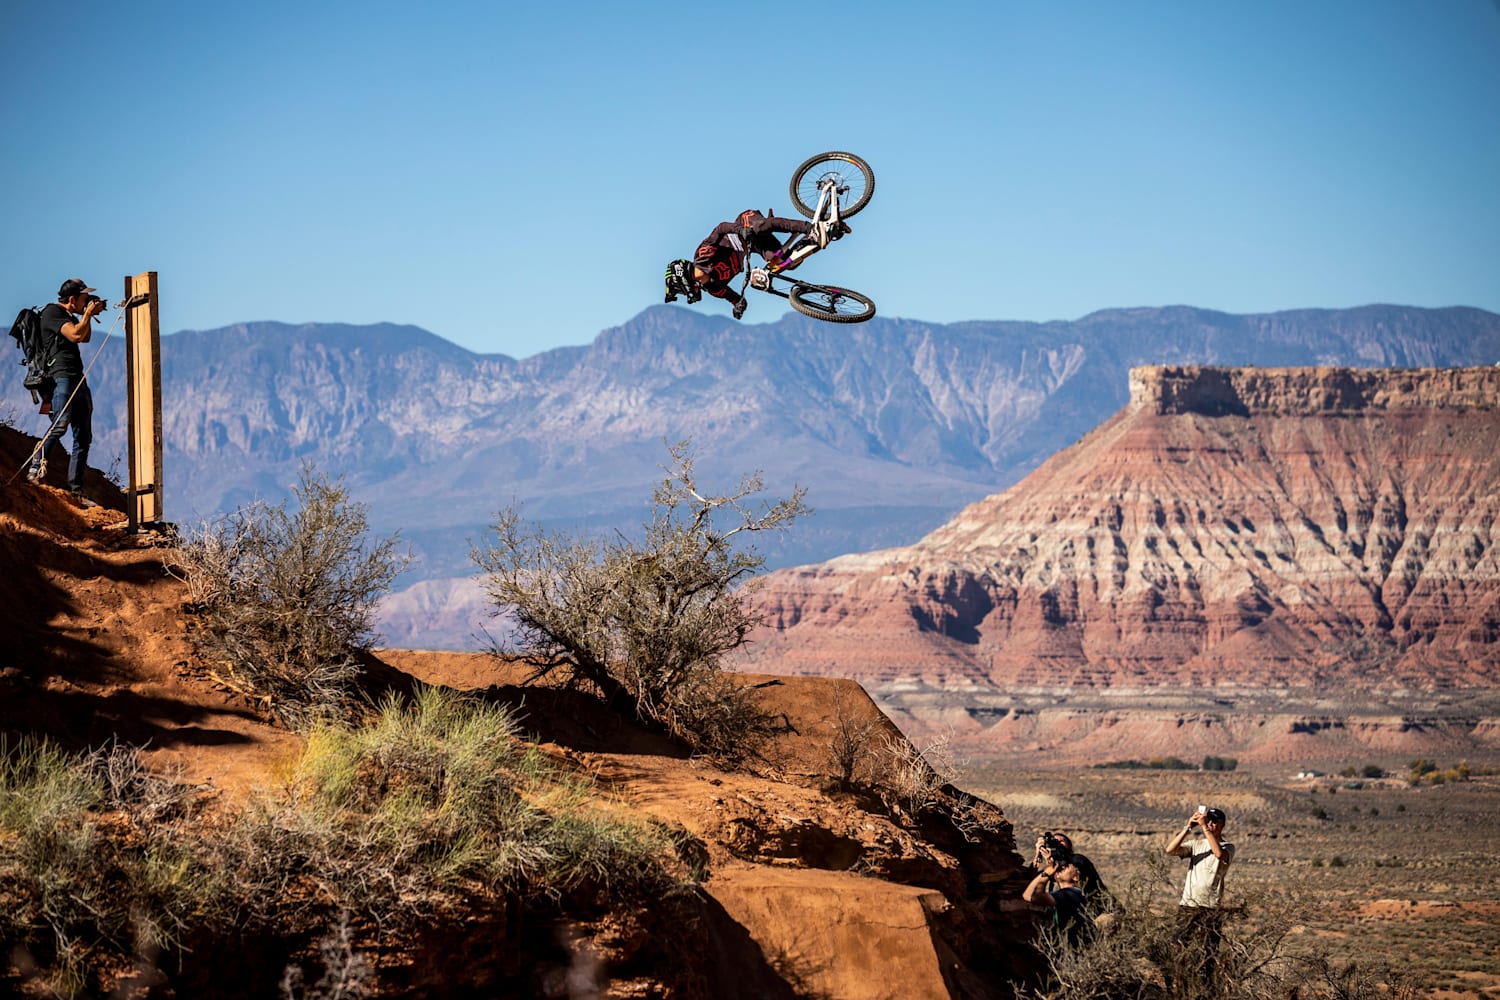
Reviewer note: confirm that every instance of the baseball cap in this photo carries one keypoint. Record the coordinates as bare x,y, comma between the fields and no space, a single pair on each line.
72,287
1214,816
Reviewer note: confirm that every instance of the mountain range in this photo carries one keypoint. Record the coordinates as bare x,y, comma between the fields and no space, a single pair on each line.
893,425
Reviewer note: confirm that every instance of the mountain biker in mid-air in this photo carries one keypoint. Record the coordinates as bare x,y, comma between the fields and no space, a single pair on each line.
722,255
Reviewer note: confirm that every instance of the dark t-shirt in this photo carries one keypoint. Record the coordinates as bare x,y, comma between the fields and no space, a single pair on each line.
64,354
1072,914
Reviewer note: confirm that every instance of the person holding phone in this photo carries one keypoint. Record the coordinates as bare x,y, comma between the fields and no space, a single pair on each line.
1201,908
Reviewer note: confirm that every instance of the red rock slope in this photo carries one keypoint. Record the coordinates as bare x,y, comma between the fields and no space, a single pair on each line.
1230,529
807,890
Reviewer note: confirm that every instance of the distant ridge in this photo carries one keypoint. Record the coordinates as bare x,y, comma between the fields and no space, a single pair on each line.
1236,531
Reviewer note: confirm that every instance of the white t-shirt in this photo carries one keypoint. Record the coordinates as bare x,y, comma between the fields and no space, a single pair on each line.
1205,877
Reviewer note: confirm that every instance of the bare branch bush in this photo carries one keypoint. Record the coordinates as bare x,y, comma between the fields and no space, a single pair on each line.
286,597
643,622
912,778
851,745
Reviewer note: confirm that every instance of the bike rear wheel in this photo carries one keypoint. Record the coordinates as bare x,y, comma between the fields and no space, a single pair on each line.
835,305
853,177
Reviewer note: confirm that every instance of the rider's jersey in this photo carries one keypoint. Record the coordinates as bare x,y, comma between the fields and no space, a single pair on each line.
722,253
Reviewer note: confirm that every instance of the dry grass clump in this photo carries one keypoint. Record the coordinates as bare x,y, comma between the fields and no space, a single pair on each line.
435,807
92,869
432,804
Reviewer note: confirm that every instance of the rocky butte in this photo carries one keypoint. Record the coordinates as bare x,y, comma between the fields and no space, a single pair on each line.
1308,547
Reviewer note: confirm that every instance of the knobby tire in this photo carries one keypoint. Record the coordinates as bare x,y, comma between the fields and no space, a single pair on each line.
862,187
824,303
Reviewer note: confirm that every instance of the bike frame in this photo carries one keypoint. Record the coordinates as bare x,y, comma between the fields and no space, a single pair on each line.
828,204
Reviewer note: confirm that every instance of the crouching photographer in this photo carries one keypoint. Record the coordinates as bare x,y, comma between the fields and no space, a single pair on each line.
1056,889
1095,893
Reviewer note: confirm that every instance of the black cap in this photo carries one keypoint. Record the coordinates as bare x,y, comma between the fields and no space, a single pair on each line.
72,287
1214,816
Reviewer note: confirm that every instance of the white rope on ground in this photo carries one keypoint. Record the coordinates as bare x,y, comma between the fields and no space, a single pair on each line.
56,413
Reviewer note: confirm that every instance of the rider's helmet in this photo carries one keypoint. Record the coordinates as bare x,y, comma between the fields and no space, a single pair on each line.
680,281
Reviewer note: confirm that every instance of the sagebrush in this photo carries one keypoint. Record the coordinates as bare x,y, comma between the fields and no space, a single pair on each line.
645,622
285,596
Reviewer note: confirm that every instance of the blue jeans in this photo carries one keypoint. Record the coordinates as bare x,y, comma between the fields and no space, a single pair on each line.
80,414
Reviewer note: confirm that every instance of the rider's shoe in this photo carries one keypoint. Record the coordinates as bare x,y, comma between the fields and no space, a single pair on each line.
839,228
37,472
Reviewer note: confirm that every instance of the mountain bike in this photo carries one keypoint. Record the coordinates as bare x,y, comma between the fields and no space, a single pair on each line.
827,188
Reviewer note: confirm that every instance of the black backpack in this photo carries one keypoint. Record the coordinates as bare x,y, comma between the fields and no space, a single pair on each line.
36,351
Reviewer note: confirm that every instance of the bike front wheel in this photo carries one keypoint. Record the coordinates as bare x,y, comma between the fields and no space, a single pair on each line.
853,181
835,305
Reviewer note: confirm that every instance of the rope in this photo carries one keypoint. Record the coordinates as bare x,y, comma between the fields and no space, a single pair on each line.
57,413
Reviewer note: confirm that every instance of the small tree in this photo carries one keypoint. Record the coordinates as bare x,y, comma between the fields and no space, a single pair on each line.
645,622
286,597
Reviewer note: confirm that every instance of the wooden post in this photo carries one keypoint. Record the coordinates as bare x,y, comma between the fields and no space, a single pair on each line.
143,400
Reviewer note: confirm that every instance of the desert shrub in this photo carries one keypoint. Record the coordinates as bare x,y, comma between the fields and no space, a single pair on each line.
430,803
92,872
1424,771
1212,763
285,598
645,622
1373,771
849,746
1143,952
911,778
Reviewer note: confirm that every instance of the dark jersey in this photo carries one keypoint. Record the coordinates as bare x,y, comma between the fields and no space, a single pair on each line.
722,253
64,356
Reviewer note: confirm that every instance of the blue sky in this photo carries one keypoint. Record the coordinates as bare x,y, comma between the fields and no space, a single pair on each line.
514,177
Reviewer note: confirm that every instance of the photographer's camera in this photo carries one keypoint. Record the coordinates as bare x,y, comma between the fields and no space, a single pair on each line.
1056,849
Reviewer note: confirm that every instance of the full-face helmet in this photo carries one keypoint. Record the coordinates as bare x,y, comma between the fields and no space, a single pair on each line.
680,281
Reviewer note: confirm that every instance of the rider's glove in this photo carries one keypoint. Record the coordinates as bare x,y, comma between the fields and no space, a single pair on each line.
739,308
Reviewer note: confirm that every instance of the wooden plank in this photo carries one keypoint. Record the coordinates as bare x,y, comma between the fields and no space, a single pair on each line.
143,400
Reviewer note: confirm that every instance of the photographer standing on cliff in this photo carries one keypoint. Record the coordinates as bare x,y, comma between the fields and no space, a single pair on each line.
67,323
1201,914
